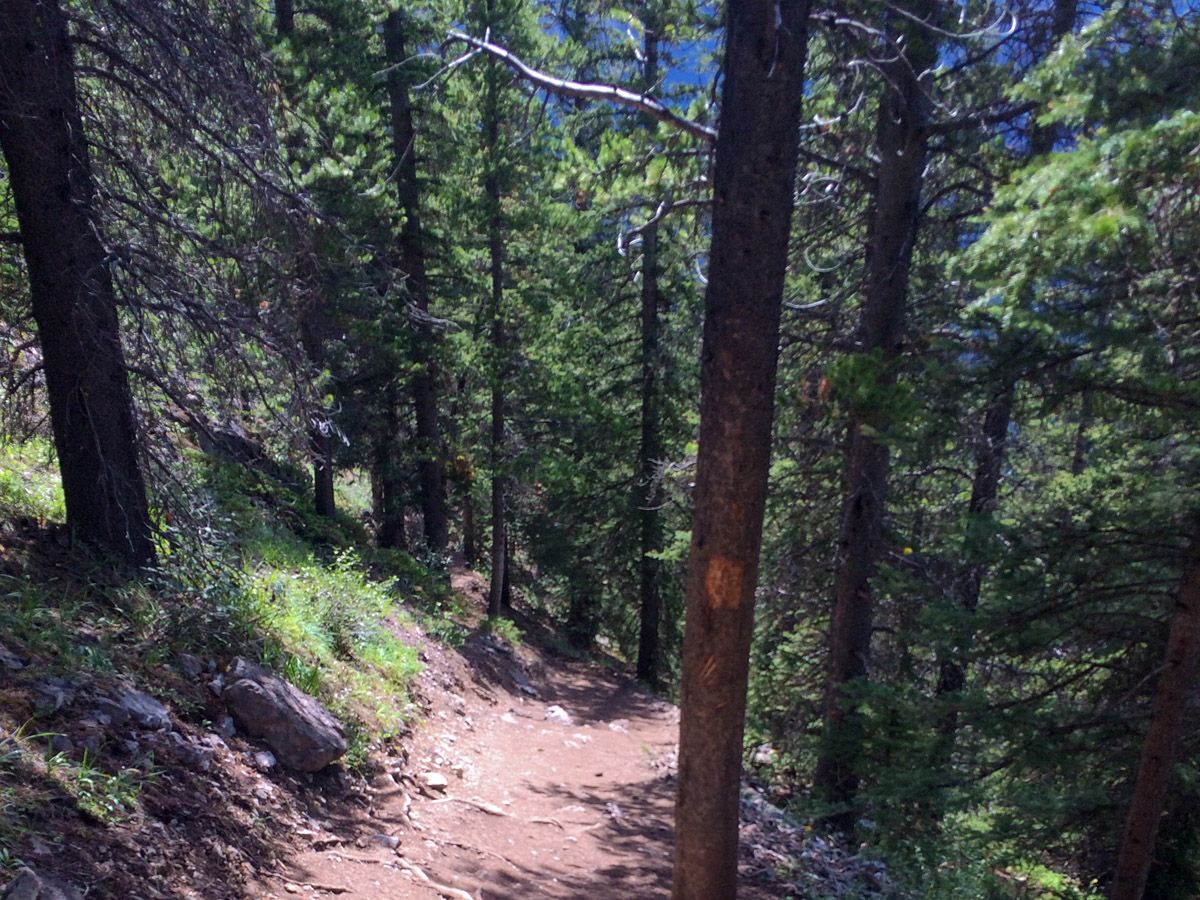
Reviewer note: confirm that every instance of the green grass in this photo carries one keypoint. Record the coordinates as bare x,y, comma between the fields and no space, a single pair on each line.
29,482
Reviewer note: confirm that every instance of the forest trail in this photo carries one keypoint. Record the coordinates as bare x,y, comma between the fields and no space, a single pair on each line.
533,805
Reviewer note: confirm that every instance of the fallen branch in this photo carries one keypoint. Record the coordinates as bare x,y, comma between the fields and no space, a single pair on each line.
489,808
445,890
317,886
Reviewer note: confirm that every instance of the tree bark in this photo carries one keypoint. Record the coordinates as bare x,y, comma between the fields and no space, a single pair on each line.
492,197
753,188
650,451
432,464
74,304
901,146
387,488
285,17
985,488
1175,684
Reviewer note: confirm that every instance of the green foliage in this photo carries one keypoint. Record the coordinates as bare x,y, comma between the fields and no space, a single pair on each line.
29,482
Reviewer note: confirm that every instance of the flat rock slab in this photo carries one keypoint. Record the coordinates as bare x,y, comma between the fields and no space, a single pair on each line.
300,731
30,885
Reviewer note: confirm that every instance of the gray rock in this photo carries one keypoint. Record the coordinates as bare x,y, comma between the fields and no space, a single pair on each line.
217,685
190,753
189,665
224,727
30,885
53,693
110,712
10,660
264,760
301,732
144,710
60,743
390,841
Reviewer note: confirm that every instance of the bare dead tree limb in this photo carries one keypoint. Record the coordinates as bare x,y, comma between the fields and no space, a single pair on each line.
606,93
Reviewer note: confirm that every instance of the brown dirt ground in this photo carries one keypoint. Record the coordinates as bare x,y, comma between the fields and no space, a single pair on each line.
533,807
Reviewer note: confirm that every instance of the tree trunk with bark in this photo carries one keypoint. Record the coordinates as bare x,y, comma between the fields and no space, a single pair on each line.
432,464
285,17
1176,682
74,304
900,143
387,485
495,226
650,450
752,203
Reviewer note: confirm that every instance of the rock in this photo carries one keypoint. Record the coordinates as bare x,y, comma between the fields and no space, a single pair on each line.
390,841
559,715
10,660
30,885
191,754
224,727
301,732
384,782
53,693
435,781
619,725
189,665
264,760
145,711
217,685
110,712
60,743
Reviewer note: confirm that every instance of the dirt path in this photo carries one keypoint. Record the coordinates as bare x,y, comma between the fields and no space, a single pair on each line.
554,787
557,783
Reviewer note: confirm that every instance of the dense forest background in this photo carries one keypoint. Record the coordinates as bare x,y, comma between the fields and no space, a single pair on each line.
427,250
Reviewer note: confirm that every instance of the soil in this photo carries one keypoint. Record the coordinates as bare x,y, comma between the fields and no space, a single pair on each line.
533,805
533,773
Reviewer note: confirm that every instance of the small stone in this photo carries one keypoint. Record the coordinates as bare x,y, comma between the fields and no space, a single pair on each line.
60,743
384,782
225,727
291,888
390,841
435,781
10,660
30,885
145,710
264,760
53,694
217,685
620,725
559,715
189,665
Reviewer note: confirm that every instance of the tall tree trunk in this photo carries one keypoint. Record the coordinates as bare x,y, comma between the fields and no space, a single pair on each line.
989,456
74,306
432,464
752,203
650,451
386,484
285,17
321,435
492,196
1176,683
901,147
985,488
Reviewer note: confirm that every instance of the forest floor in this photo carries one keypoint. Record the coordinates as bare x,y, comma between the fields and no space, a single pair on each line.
536,775
528,771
